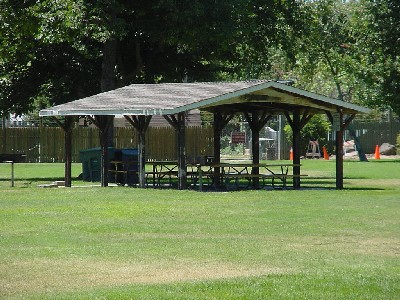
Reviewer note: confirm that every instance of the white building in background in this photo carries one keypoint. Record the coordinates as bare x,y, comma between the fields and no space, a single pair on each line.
15,120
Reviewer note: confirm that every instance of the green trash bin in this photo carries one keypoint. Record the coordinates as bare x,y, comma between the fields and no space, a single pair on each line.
91,163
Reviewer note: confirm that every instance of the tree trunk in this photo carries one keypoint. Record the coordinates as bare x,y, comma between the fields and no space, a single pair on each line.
108,65
108,77
361,153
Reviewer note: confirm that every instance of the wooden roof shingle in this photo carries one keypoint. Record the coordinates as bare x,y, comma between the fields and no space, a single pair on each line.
172,98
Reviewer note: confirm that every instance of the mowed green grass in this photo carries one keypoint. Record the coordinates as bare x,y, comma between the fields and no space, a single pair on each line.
129,243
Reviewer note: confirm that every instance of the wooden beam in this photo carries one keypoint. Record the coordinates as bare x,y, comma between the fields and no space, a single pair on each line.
347,121
297,122
172,120
296,128
179,124
260,98
181,131
66,126
141,124
217,129
68,123
264,119
59,123
133,121
93,120
289,119
220,121
225,118
344,123
256,123
255,145
339,154
103,123
329,115
305,118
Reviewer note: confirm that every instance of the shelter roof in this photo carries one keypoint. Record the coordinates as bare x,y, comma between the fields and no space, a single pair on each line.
172,98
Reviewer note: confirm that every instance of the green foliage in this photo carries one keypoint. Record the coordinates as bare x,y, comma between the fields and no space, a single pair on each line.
385,20
343,49
62,45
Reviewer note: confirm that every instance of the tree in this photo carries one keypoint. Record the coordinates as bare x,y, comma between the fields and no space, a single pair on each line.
384,55
39,59
327,53
67,49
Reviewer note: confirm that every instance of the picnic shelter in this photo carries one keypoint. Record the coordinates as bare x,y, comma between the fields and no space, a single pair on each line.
257,100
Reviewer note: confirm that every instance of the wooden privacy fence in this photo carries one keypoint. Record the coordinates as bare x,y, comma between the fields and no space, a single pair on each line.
376,133
46,144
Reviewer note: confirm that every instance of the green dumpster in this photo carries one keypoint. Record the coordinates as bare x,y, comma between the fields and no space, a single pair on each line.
91,163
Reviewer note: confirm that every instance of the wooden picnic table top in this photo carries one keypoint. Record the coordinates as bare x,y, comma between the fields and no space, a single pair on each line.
223,164
162,162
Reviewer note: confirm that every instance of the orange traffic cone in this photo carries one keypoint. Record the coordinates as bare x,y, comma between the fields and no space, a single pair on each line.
377,154
291,154
326,155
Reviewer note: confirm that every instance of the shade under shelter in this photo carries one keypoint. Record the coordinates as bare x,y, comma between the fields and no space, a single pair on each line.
257,100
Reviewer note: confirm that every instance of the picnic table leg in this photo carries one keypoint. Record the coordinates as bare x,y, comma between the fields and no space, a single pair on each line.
154,177
200,179
12,174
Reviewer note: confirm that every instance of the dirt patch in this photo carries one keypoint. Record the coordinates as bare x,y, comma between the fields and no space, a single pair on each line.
352,245
46,276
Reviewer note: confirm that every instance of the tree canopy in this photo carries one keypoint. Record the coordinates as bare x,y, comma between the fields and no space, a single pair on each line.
55,51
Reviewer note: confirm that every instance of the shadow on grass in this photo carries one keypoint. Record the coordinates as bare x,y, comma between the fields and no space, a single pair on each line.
34,179
363,188
315,183
347,188
382,161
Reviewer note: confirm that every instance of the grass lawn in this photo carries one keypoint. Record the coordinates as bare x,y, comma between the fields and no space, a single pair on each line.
129,243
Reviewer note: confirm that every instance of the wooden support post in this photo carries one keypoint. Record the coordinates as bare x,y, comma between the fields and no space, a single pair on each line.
296,149
103,123
220,121
341,124
68,150
142,158
297,123
67,128
141,123
181,131
339,159
179,124
217,147
12,174
255,145
256,123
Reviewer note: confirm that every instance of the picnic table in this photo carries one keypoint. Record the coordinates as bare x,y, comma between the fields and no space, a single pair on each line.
162,170
239,172
225,174
167,170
